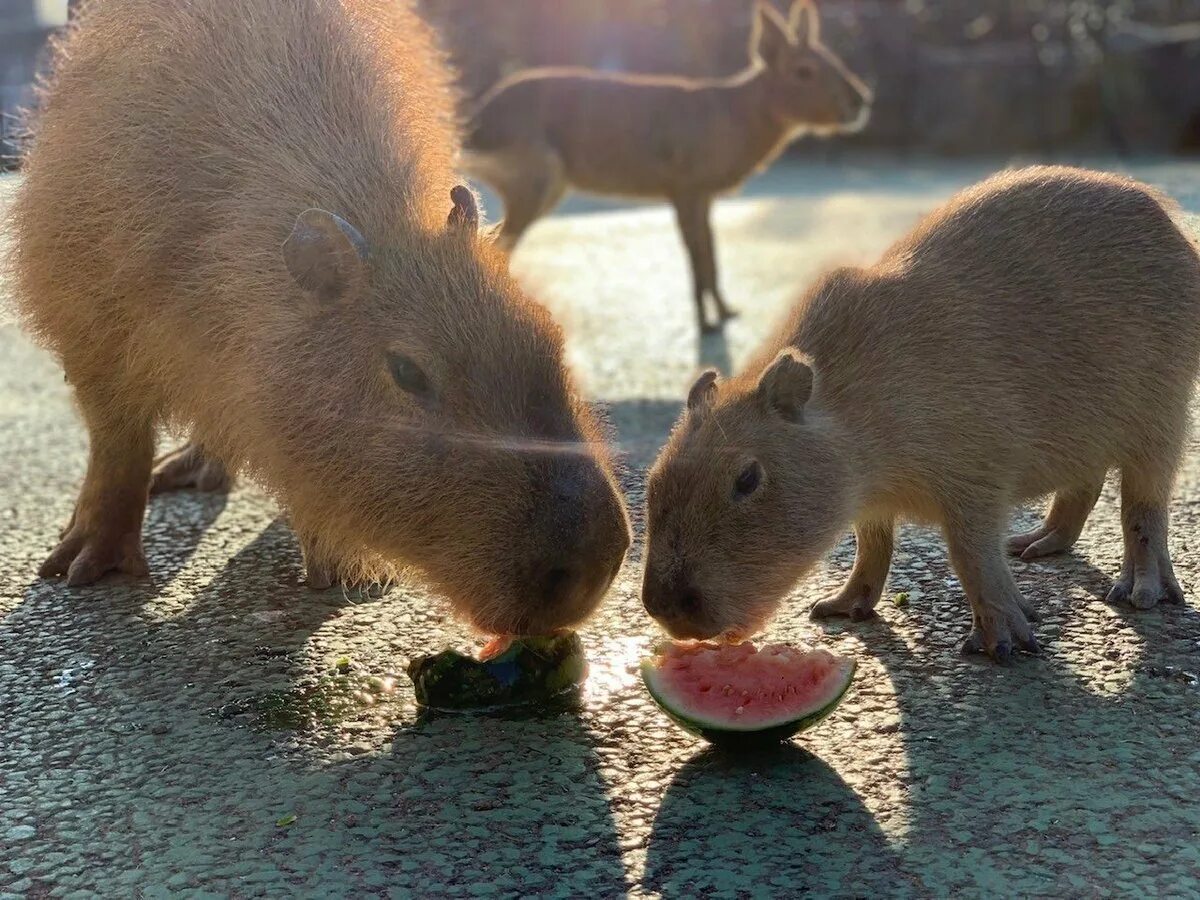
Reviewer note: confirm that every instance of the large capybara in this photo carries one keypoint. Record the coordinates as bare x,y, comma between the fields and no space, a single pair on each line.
234,220
1038,330
686,140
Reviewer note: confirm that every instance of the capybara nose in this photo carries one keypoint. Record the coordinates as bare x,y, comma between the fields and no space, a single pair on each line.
555,585
656,596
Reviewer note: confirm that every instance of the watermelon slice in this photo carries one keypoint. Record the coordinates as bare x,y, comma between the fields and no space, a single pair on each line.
741,695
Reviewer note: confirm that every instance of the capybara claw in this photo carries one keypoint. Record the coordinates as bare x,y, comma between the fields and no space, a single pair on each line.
1002,653
1119,592
86,558
971,644
1146,593
849,603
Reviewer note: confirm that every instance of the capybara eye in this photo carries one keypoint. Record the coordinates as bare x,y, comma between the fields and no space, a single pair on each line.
805,70
408,375
748,481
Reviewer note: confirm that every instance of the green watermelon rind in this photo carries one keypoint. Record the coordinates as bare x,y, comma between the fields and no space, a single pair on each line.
544,668
723,735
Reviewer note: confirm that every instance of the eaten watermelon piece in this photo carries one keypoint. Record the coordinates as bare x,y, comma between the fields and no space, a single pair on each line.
742,695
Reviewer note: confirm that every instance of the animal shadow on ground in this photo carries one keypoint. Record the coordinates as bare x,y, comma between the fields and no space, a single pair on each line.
1074,771
171,705
778,822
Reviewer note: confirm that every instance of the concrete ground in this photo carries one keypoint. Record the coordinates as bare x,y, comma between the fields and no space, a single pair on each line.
185,734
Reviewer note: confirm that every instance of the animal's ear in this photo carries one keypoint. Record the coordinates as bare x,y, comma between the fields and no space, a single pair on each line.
703,392
464,217
786,385
805,23
770,39
327,256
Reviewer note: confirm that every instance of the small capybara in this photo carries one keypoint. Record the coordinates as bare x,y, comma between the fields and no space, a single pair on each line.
1036,331
685,140
234,221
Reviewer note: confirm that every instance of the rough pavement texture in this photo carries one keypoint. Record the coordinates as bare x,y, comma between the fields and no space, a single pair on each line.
161,737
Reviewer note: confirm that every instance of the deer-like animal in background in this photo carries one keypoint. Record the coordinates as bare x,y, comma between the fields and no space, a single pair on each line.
542,131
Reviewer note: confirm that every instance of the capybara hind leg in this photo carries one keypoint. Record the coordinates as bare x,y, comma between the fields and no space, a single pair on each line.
1062,526
872,560
1147,576
531,189
1000,616
105,534
189,467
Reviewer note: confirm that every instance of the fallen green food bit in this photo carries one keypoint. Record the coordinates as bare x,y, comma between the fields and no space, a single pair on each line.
901,599
532,669
343,664
285,821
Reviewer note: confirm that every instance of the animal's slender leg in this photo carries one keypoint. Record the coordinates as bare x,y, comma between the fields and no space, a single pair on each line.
530,189
691,212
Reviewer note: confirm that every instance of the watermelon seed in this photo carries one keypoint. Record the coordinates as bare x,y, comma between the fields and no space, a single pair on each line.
728,690
739,710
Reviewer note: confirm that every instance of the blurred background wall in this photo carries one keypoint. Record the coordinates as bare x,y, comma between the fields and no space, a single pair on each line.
957,77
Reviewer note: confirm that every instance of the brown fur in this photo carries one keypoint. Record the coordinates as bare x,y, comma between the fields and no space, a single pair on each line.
171,246
543,131
1038,330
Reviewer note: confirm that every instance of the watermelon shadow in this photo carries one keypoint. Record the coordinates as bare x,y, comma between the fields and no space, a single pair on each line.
779,821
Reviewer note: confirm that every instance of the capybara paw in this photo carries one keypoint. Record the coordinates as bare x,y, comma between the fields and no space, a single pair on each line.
855,601
86,556
1146,592
707,327
999,633
1042,541
320,573
319,576
190,468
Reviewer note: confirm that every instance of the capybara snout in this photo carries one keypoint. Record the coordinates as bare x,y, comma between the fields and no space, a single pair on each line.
581,537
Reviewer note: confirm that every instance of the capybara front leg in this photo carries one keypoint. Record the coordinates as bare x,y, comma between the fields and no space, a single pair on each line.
1147,576
1000,616
872,560
1063,524
190,468
105,534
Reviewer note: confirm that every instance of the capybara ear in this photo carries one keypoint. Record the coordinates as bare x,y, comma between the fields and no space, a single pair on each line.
805,23
786,385
326,255
703,392
769,36
465,214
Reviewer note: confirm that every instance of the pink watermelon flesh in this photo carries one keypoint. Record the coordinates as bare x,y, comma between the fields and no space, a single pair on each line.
742,688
